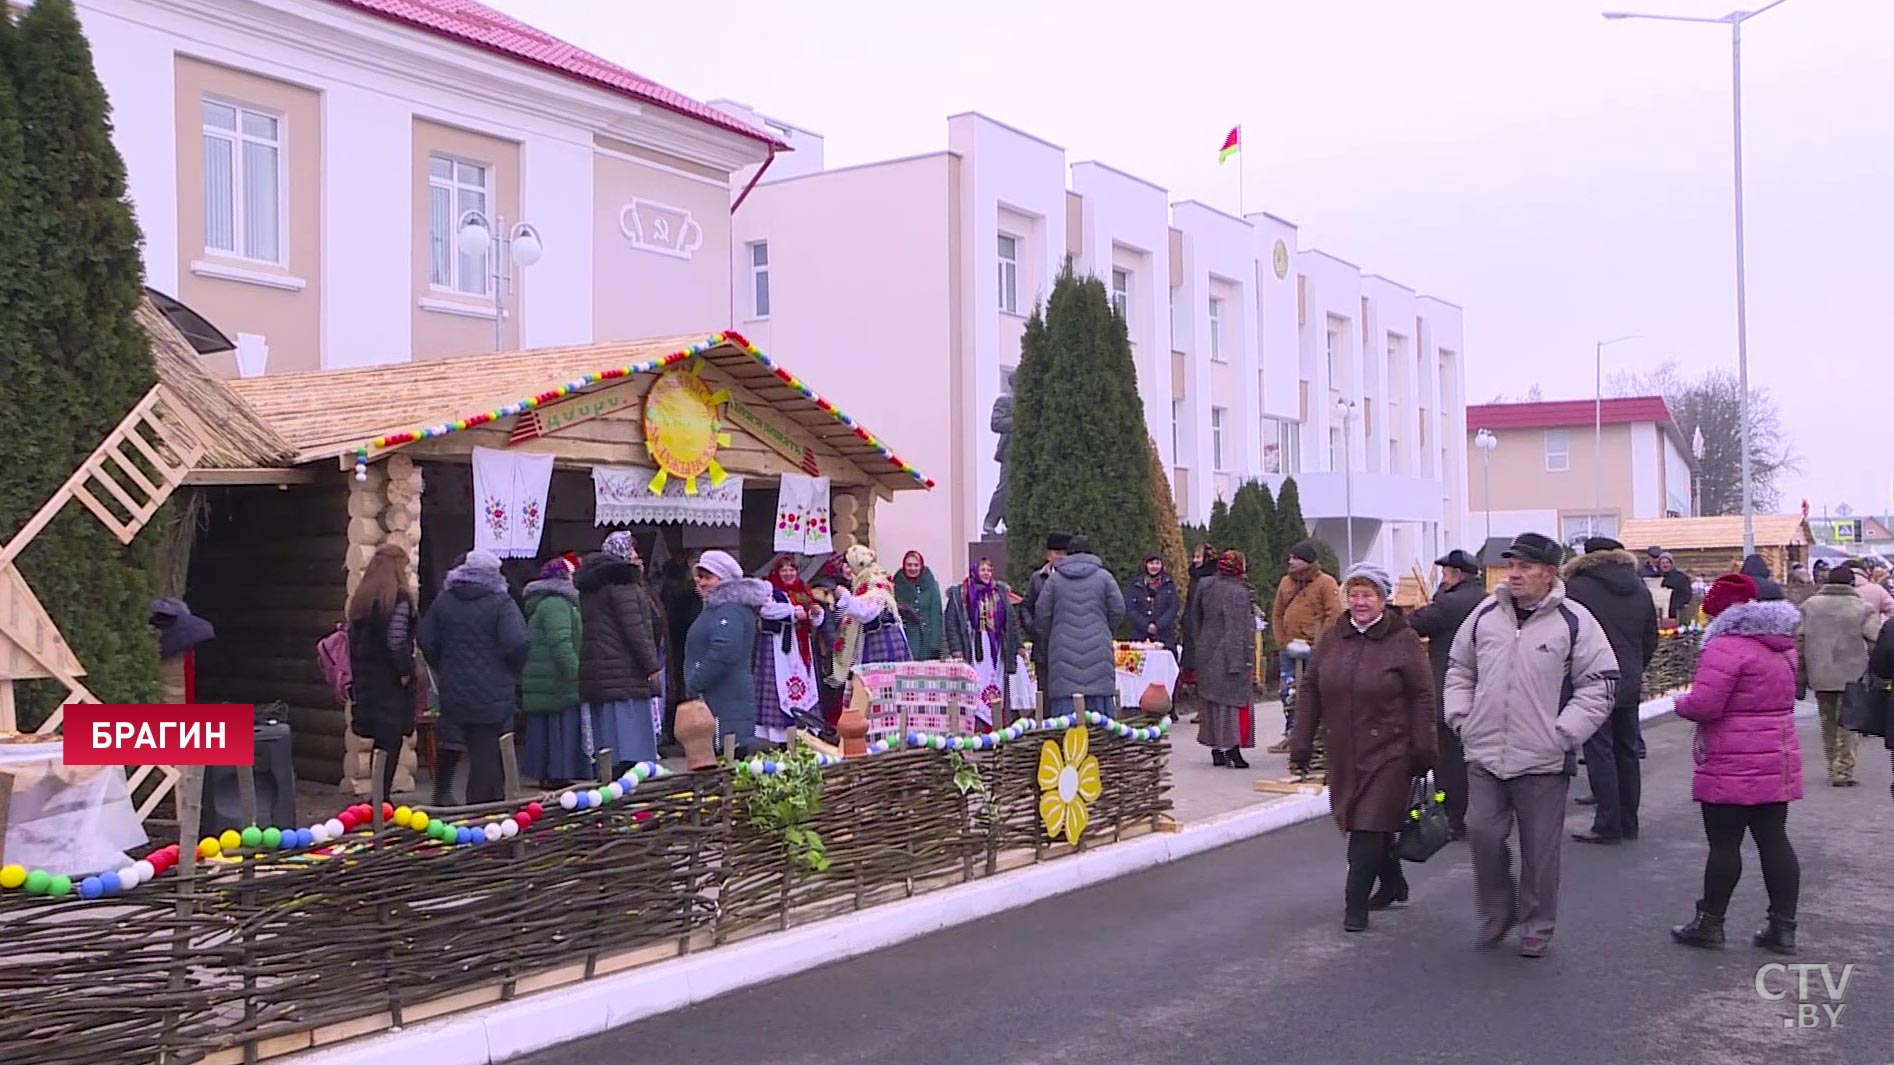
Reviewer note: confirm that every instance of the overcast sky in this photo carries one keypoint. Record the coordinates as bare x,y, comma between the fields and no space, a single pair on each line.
1563,178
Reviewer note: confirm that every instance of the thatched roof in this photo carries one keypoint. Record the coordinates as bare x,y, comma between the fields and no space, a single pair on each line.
328,414
1709,534
237,438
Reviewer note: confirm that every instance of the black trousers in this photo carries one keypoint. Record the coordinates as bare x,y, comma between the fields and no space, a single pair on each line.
1768,825
1371,858
1451,774
1617,780
486,780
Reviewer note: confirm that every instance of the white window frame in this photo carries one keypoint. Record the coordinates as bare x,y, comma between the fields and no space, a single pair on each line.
457,281
1216,330
1291,442
1121,292
1558,459
1006,252
1177,421
1573,528
761,298
237,138
1216,439
1334,375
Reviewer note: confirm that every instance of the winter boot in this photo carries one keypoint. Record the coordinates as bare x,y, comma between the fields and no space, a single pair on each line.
1217,758
1778,935
1705,931
1235,758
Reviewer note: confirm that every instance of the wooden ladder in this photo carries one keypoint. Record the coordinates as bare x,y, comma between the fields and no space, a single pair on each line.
171,441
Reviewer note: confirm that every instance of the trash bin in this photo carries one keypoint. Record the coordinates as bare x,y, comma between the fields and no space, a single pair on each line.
275,773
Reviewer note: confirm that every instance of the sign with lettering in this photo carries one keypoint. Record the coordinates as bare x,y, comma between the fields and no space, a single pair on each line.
572,410
159,734
773,436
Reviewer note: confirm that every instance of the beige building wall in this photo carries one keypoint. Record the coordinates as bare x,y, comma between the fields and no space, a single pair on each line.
661,247
281,300
448,321
1521,480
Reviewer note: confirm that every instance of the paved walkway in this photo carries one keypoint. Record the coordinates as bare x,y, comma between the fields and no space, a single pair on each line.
1237,956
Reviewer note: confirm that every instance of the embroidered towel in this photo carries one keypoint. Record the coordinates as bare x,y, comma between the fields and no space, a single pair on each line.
510,501
792,513
818,540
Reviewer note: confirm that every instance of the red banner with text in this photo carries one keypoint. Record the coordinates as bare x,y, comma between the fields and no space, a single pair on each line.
160,734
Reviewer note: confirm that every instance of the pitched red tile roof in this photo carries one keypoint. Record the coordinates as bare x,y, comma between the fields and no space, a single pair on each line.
482,27
1568,413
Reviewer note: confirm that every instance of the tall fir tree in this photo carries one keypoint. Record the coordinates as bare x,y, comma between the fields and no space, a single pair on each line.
1292,529
1077,456
80,359
1249,527
1170,535
1222,532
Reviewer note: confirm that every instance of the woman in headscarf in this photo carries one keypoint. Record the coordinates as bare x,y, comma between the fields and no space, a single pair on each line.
984,632
619,666
871,620
549,688
787,693
1226,661
720,650
917,594
1370,690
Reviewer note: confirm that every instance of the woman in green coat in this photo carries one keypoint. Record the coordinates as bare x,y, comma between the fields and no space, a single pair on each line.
917,593
558,735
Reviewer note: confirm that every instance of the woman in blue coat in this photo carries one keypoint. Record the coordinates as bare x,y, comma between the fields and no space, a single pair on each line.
718,649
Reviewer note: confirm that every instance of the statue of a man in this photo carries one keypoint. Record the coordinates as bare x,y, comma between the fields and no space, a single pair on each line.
1001,423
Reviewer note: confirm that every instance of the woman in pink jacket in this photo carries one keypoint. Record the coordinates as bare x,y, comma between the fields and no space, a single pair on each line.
1749,762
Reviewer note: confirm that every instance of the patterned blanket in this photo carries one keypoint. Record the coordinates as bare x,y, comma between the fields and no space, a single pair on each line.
920,696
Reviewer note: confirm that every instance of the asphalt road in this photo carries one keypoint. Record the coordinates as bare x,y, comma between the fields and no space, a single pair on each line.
1238,956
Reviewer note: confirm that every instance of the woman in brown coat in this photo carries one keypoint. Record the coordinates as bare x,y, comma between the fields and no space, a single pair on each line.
1226,662
1369,685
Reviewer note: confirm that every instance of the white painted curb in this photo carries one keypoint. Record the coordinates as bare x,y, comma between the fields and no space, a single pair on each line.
498,1033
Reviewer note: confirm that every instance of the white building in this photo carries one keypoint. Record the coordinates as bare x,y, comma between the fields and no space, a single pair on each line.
934,262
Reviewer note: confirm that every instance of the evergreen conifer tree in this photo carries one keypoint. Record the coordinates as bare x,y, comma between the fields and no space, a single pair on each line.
1249,528
1078,460
1222,532
77,359
1292,529
1170,535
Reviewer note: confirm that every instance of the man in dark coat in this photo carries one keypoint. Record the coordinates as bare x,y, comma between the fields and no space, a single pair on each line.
1151,604
1605,582
1079,608
1460,591
1758,570
474,638
1029,614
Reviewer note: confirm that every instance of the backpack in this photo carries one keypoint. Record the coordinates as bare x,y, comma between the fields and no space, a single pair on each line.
332,655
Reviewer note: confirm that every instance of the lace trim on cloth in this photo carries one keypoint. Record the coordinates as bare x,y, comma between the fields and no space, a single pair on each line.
622,496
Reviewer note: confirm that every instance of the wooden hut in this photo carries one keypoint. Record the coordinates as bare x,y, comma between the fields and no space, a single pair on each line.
386,454
1711,547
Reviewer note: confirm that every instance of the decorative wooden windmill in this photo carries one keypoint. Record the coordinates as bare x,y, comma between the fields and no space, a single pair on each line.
170,440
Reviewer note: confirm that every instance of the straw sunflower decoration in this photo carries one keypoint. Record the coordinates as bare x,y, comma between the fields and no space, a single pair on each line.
1068,781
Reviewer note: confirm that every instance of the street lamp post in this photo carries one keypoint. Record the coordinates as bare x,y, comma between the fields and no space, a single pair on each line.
1598,431
1734,20
519,246
1486,442
1345,410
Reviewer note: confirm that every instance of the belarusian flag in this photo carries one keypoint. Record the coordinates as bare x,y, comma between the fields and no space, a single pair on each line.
1231,145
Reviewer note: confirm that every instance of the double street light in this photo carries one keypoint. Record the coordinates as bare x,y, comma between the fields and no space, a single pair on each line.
1486,442
1345,413
1734,20
504,249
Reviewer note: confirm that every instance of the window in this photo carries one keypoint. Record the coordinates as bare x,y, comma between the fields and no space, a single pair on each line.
1009,274
1121,292
1558,451
1216,439
1334,373
1216,329
1574,528
1282,446
455,187
243,182
1177,420
759,279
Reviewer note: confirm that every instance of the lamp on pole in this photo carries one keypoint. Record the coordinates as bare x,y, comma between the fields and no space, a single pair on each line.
1598,431
1696,476
1734,20
1345,412
1486,442
505,249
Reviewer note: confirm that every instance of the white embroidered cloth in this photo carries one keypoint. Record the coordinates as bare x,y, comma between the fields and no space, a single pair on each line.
819,541
509,501
622,496
802,515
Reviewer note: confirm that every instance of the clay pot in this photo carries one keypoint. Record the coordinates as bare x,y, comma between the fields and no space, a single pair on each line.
696,730
852,726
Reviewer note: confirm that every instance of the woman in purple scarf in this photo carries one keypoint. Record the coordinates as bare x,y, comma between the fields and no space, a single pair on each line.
984,632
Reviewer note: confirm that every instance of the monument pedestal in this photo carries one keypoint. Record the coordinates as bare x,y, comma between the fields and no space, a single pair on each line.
993,548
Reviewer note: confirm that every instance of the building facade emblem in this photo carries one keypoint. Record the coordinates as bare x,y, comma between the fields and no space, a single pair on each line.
661,228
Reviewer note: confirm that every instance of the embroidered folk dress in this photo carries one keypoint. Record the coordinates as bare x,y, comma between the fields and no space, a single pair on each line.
786,689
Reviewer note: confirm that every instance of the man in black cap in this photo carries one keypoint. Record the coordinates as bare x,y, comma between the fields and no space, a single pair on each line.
1604,581
1531,676
1057,544
1459,592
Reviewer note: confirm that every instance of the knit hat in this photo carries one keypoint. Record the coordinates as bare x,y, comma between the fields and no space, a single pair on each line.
1728,590
1304,551
1369,573
1840,575
1232,564
1058,541
720,565
619,546
481,562
1595,544
557,568
1079,545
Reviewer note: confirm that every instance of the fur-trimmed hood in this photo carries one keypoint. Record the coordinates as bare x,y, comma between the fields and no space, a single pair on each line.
1594,559
748,592
1615,571
545,586
1765,618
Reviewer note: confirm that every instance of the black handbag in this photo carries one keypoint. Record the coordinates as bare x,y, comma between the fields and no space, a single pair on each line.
1864,705
1428,827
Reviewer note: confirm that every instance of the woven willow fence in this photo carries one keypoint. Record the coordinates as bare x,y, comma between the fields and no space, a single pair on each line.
258,957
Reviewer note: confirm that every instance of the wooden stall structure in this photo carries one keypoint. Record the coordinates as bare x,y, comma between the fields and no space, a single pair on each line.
389,453
1711,547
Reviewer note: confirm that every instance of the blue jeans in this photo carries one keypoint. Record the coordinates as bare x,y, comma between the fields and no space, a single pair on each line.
1104,704
1286,674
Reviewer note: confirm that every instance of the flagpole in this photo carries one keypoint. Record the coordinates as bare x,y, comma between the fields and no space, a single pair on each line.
1240,153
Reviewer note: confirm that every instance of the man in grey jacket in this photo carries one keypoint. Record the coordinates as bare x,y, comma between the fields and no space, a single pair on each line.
1531,676
1079,608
